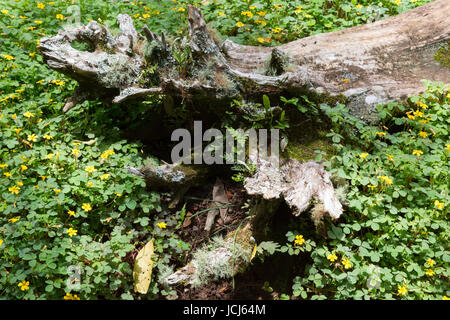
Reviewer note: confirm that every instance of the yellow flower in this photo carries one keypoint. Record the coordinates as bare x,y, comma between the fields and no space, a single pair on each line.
445,298
71,232
1,242
447,146
391,158
3,165
31,54
19,183
261,22
104,176
220,13
418,113
107,153
24,285
247,13
71,213
417,153
423,134
363,155
381,133
371,186
299,240
13,220
298,10
398,2
90,184
89,169
145,16
28,114
261,40
32,138
7,174
162,225
37,21
276,30
118,194
332,257
59,16
49,156
14,189
402,290
261,13
57,191
5,11
240,24
75,152
430,262
43,178
40,5
439,206
7,57
429,272
86,207
70,296
359,6
48,137
346,263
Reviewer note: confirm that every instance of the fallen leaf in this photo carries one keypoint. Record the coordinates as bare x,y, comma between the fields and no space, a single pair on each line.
187,222
143,265
253,252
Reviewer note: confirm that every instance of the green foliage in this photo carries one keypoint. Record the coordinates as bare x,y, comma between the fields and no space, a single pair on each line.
394,234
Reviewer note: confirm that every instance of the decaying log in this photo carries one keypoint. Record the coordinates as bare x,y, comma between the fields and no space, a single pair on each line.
361,66
301,185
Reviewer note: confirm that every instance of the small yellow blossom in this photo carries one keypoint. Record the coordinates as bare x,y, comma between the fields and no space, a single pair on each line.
57,190
240,24
371,186
439,205
31,54
402,290
71,232
40,5
3,165
89,169
23,167
4,11
86,207
14,189
332,257
38,21
70,296
381,133
106,154
104,176
48,137
417,153
220,13
59,16
76,152
13,220
346,263
32,138
299,240
430,262
261,13
261,40
363,155
118,194
430,272
423,134
24,285
90,184
7,174
71,213
28,114
162,225
1,242
390,157
445,298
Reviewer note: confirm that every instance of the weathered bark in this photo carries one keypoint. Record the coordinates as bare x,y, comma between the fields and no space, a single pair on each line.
301,185
361,66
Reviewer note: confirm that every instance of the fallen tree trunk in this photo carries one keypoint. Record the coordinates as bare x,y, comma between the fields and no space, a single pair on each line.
361,66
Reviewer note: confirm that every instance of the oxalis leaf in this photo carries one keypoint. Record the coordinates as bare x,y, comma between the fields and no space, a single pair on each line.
143,265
